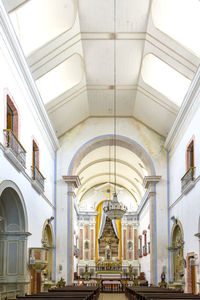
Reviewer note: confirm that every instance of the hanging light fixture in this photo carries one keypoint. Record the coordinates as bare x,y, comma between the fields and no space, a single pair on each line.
115,210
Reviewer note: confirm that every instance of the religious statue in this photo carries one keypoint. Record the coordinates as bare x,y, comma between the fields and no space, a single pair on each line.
61,283
130,269
163,283
163,276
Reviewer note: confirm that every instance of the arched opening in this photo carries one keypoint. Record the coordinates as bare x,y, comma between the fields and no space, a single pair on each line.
47,242
94,164
13,238
177,253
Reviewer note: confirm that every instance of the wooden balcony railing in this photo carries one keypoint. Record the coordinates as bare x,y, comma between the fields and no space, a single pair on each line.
38,177
13,143
188,177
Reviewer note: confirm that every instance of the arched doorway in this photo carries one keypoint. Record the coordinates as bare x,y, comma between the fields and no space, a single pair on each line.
177,252
13,239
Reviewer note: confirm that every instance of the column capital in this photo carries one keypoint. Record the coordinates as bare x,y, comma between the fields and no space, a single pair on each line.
197,235
150,180
74,181
151,194
71,194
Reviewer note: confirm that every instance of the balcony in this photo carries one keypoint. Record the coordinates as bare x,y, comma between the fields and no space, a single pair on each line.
14,150
187,181
140,253
37,180
144,250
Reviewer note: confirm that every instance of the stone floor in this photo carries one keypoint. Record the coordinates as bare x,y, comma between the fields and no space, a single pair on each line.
112,296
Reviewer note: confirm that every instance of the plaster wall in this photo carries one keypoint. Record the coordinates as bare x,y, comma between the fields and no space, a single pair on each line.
185,207
178,155
39,207
152,142
29,121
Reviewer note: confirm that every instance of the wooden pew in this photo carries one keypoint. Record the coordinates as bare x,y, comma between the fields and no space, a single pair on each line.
164,295
131,291
75,289
86,294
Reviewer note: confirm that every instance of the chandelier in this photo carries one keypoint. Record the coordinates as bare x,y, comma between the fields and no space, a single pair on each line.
115,210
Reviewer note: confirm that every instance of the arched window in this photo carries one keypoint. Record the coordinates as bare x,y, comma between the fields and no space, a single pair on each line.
140,246
190,155
12,117
37,177
145,243
35,155
15,151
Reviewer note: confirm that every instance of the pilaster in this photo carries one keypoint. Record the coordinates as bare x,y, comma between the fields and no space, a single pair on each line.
72,182
150,183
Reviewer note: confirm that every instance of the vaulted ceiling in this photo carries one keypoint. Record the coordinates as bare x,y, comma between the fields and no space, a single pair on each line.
69,46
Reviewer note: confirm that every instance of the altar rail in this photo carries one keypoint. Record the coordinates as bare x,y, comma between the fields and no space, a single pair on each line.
9,294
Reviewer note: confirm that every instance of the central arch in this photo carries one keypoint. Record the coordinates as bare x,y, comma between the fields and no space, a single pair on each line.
105,140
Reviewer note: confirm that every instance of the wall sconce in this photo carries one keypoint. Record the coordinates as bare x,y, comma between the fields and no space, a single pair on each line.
50,219
174,220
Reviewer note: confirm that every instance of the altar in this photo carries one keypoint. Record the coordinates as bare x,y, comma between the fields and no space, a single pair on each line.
106,274
111,285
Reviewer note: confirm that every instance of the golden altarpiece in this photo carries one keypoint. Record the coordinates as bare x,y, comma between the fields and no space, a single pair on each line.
108,250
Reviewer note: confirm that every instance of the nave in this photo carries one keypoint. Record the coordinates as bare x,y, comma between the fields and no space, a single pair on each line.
99,145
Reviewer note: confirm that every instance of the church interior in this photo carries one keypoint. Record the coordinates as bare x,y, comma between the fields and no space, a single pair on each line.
99,149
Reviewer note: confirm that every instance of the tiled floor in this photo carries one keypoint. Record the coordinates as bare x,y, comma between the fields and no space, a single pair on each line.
113,296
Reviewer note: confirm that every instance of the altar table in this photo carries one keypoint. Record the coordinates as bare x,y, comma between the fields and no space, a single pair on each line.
111,285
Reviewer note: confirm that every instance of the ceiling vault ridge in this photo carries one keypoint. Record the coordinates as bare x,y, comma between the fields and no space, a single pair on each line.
111,173
110,159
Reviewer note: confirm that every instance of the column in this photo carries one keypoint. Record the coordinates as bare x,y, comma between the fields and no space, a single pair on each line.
73,182
150,183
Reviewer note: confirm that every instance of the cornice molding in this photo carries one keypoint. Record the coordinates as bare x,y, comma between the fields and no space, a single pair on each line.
150,180
19,60
74,181
191,99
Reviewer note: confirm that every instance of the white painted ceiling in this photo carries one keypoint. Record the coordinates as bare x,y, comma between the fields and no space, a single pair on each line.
69,46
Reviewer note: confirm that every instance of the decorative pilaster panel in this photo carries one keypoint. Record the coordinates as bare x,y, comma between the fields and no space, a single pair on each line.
21,257
92,244
81,244
124,244
135,245
86,232
1,257
86,255
129,232
12,263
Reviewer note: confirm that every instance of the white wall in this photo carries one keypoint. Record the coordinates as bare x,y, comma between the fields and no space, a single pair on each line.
39,206
186,207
